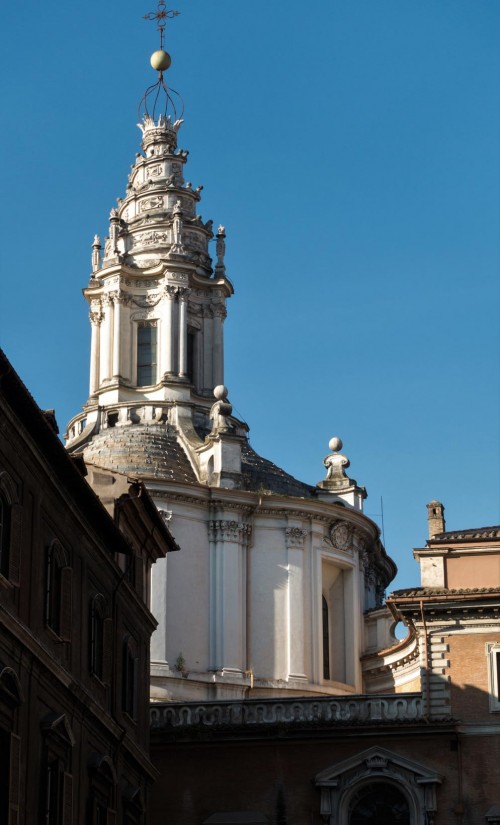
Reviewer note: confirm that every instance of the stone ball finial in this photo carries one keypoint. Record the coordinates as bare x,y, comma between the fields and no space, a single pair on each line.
220,392
335,444
161,60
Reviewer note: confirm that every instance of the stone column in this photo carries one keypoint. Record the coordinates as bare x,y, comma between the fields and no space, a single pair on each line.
217,344
95,323
183,296
295,538
105,342
116,334
208,382
167,332
159,611
228,546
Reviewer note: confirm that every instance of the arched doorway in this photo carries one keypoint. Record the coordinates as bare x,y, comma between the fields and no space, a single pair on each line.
379,803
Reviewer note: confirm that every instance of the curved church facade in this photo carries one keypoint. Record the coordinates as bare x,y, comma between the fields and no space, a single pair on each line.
269,593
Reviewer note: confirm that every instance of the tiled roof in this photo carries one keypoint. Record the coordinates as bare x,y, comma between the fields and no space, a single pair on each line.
260,474
154,452
442,591
147,451
467,535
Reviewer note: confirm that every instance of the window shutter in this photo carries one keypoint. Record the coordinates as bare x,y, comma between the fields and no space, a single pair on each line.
139,575
15,545
66,604
67,812
14,779
111,820
107,669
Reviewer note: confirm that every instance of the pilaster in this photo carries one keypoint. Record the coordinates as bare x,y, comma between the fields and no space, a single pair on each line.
228,541
295,538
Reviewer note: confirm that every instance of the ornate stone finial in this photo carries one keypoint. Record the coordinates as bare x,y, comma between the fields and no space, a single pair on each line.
177,245
336,464
220,248
337,481
96,253
220,411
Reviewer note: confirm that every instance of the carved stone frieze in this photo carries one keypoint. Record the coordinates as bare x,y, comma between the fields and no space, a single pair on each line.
155,202
149,238
338,709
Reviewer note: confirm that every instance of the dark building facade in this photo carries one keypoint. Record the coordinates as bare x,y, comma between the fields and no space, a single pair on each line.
74,630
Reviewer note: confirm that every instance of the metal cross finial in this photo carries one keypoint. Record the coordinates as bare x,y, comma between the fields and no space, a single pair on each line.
161,15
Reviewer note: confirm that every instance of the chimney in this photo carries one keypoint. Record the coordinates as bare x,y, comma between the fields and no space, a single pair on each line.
435,518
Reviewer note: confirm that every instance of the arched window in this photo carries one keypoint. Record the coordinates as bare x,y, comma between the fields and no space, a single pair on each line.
133,805
130,667
326,639
379,803
11,696
102,790
58,604
100,639
56,785
378,787
5,513
10,530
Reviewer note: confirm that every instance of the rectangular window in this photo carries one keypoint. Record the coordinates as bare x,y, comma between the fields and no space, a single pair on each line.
146,353
493,652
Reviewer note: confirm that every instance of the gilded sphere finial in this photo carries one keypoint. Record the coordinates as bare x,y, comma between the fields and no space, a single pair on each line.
161,60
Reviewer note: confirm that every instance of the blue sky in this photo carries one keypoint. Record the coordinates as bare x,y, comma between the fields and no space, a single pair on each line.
352,150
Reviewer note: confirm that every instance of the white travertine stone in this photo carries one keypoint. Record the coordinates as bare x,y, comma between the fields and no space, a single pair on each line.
240,605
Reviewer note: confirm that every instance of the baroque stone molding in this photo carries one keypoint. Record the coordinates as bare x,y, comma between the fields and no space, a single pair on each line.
221,530
96,315
252,713
295,536
341,535
219,311
145,301
152,203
